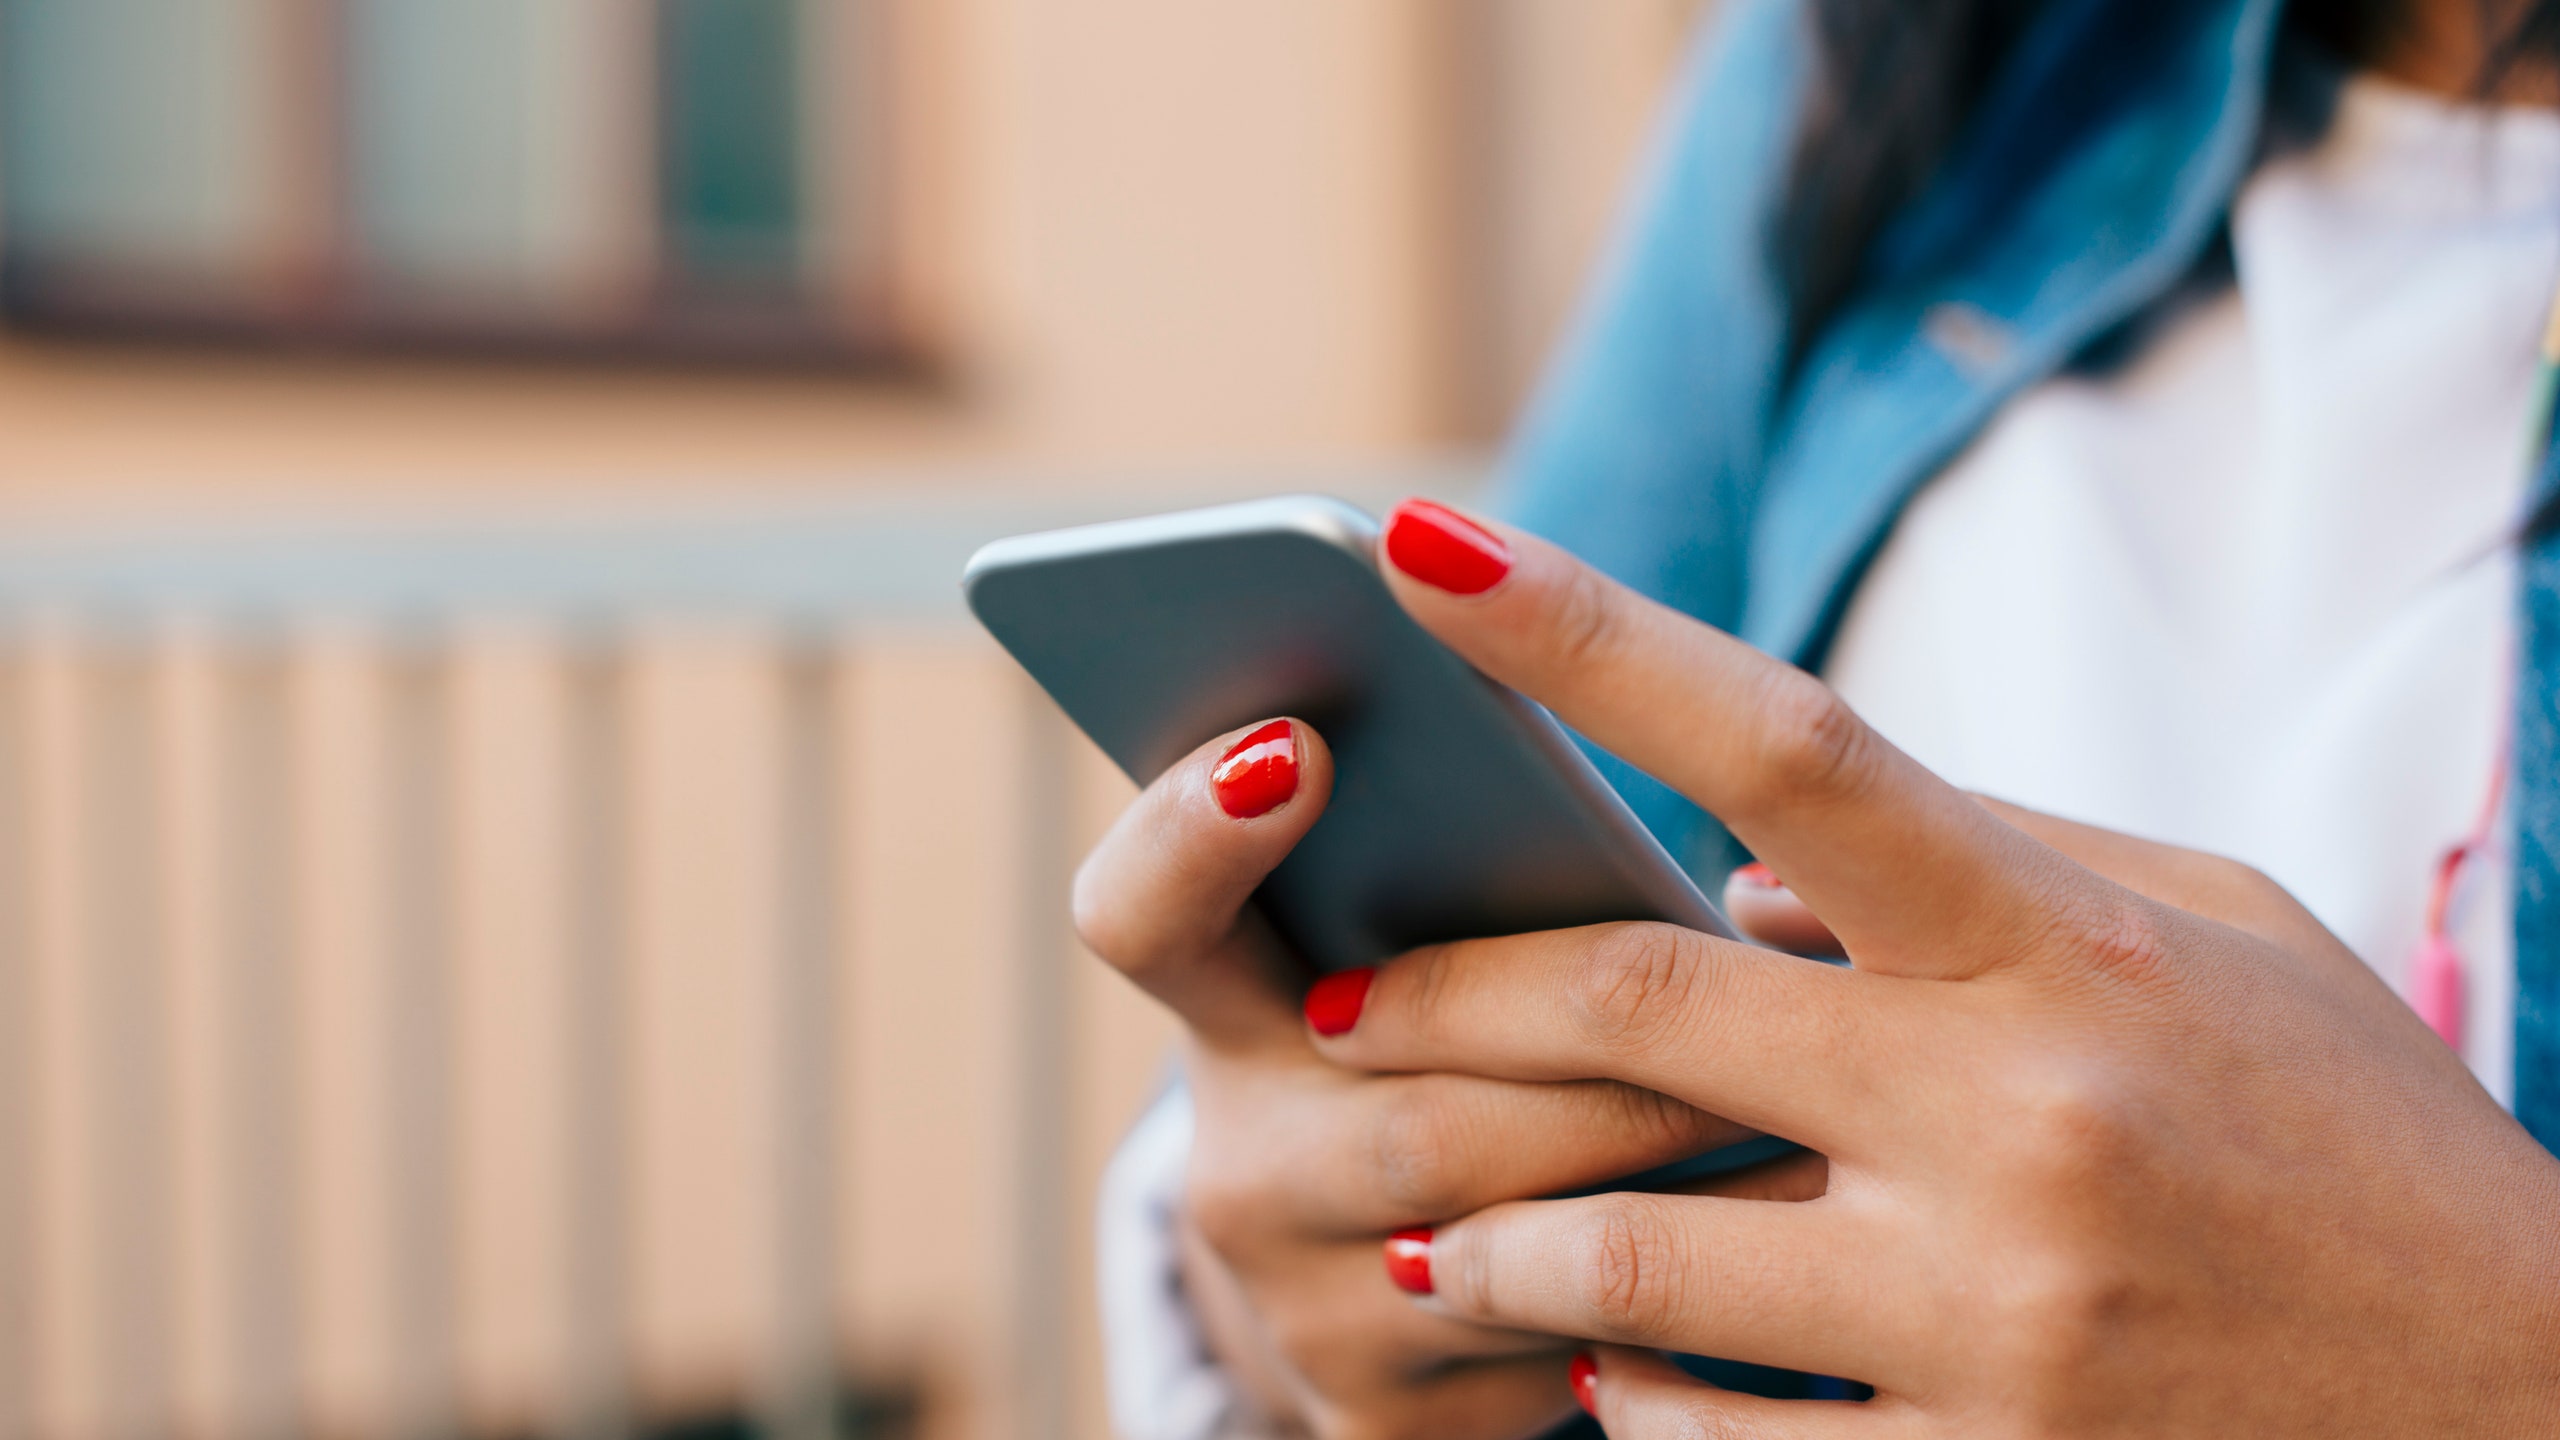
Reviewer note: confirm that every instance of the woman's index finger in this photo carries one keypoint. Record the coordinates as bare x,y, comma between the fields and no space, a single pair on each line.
1911,875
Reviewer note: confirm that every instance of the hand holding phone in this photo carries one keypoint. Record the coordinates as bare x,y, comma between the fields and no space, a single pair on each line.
1175,642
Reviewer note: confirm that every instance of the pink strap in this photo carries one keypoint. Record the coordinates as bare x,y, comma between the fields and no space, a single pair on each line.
2436,978
2435,988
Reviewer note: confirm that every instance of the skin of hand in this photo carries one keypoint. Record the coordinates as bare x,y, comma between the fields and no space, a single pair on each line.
2120,1141
1300,1167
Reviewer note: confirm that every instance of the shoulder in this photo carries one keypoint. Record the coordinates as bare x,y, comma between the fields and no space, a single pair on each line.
1656,400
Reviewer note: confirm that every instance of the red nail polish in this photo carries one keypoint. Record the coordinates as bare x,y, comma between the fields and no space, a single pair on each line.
1444,549
1260,774
1585,1374
1409,1260
1758,876
1333,1006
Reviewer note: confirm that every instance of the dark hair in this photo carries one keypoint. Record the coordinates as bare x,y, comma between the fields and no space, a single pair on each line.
1899,79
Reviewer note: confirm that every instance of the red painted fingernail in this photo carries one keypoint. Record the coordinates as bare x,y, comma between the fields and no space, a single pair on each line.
1260,774
1409,1260
1333,1006
1759,877
1586,1383
1444,549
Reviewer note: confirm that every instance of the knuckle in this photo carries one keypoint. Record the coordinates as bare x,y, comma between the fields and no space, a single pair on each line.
1661,1125
2211,876
1107,924
1332,1357
1228,1207
2054,1316
2246,892
1351,1425
1427,976
1585,618
1418,1157
1707,1420
1813,748
1095,917
2121,935
1635,985
2255,887
1626,1277
1138,936
1373,1422
2069,1131
2237,876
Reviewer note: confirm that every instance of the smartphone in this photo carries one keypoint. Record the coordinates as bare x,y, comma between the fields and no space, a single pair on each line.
1460,807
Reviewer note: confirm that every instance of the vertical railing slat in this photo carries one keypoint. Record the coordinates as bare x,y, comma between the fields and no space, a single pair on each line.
1042,1101
127,1043
262,1029
17,1045
419,1032
595,1221
800,1403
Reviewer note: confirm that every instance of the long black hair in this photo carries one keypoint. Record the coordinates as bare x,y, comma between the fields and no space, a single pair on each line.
1899,79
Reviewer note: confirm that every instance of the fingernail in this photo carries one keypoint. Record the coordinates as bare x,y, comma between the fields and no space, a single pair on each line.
1260,774
1585,1375
1409,1260
1333,1006
1444,549
1758,876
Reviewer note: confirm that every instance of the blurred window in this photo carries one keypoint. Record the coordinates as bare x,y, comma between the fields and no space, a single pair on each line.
685,176
730,200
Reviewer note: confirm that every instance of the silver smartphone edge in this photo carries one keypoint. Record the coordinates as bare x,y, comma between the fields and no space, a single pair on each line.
1321,517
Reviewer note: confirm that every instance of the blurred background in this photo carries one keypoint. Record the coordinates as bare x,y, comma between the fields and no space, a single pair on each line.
525,908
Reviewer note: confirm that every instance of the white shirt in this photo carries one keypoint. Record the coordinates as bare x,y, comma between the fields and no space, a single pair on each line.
1163,1384
2248,594
2244,595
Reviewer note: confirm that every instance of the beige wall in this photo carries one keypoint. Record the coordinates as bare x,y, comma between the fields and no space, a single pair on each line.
1145,233
1152,241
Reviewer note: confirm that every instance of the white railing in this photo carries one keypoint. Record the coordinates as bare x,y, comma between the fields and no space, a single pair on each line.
557,977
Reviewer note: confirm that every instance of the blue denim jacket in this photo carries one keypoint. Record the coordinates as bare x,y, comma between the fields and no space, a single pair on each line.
1671,448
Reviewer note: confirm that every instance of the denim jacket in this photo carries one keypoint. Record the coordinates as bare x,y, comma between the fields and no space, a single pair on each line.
1674,447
